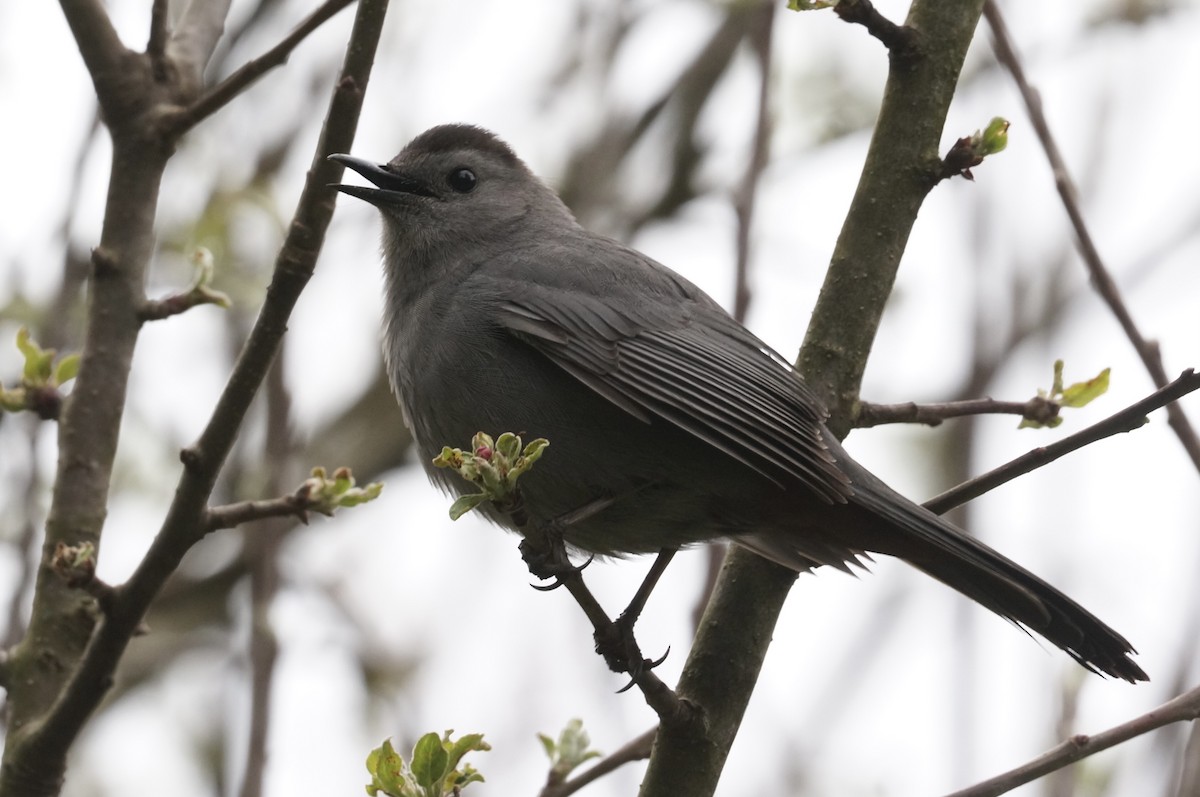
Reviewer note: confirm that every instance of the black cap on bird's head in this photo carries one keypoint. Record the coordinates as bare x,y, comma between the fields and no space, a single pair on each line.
421,167
451,186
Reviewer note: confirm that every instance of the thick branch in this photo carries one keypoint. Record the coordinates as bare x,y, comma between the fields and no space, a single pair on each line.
44,744
1184,708
900,169
1128,419
60,621
101,48
899,39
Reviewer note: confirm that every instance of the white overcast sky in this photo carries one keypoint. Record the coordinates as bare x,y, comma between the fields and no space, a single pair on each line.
1115,528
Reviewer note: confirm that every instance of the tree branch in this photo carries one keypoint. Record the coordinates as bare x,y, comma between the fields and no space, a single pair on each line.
899,39
101,48
1101,278
759,36
635,749
1184,708
38,755
160,32
1128,419
900,169
1042,410
231,515
221,94
546,556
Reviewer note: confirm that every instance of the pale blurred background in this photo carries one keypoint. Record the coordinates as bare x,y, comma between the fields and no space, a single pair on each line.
394,621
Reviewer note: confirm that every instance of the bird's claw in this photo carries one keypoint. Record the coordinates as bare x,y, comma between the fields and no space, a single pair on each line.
643,666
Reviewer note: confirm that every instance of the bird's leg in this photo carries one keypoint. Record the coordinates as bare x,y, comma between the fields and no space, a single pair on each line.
543,550
616,641
545,553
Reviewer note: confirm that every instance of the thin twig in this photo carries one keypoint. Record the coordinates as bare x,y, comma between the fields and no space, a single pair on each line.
231,515
219,95
262,546
1039,409
759,35
636,749
1126,420
1183,708
1101,277
156,45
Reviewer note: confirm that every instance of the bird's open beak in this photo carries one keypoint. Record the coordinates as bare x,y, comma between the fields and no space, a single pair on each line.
388,183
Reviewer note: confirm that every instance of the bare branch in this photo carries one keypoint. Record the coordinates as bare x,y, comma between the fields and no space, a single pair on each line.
1101,278
101,48
759,36
262,548
636,749
1184,708
900,40
230,515
899,171
160,32
1128,419
219,95
1038,408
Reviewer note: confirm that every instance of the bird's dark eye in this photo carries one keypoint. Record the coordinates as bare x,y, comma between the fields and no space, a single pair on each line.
462,180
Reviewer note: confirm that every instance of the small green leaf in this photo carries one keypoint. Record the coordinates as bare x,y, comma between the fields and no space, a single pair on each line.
1030,423
387,771
571,749
509,445
360,495
429,761
465,503
467,743
67,369
12,400
547,745
37,359
994,137
449,458
1056,386
1082,393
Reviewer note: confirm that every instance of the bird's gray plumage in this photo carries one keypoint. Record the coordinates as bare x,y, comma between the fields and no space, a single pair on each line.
670,423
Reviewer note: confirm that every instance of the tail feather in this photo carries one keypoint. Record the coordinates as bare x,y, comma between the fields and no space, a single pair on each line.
933,545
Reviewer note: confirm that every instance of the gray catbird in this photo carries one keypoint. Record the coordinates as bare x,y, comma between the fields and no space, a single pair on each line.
503,314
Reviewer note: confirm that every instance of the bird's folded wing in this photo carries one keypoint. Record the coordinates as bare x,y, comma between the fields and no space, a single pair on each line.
695,367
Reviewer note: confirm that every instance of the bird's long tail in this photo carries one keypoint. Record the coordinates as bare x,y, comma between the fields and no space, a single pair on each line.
933,545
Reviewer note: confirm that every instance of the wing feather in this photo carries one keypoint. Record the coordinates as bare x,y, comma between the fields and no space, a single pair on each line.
698,370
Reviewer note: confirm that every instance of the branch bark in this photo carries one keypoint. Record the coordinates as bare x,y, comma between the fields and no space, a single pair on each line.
900,169
62,680
1128,419
1184,708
